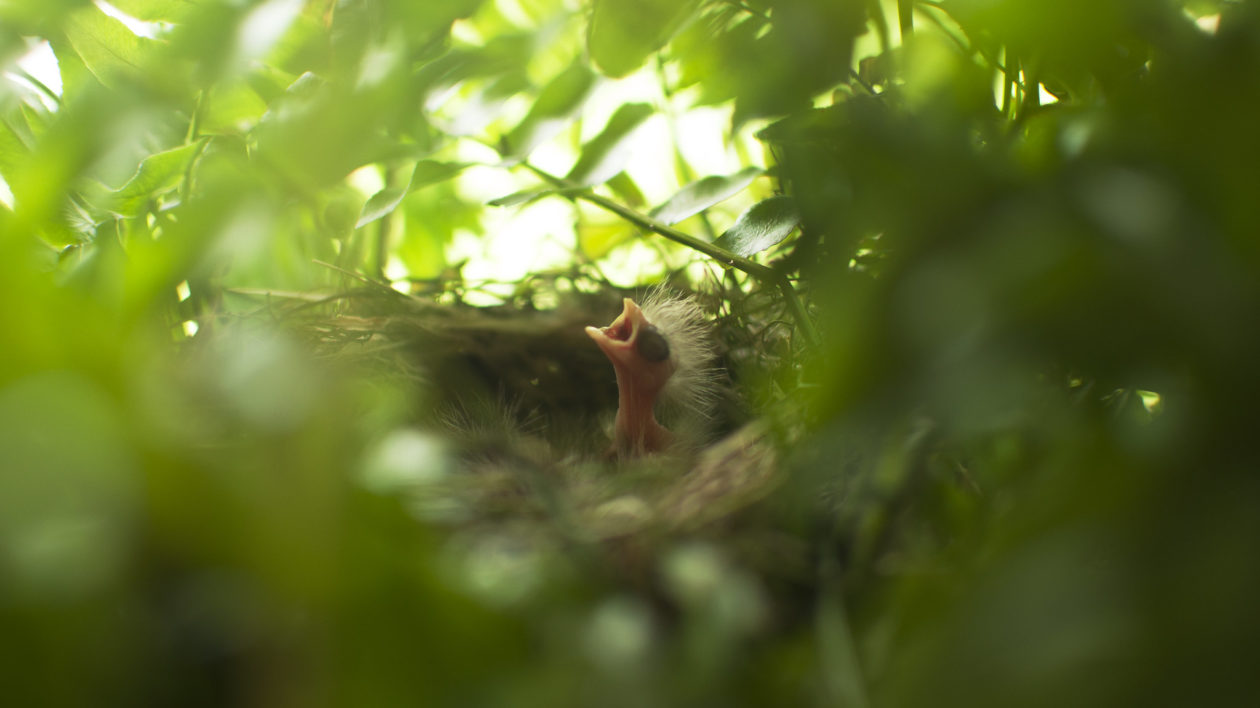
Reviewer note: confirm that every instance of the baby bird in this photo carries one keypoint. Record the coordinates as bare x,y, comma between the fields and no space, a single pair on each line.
660,351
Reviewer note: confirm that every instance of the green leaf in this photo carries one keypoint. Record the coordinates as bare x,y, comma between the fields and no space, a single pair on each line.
229,105
702,194
607,153
764,224
522,197
499,56
622,33
157,173
557,104
13,149
155,10
319,132
427,172
20,123
625,188
431,172
28,17
269,82
380,204
108,49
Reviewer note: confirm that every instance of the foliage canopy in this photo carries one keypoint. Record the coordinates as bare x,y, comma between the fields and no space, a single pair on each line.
989,269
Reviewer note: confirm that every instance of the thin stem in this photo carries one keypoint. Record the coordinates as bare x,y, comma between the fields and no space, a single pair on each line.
1009,72
194,121
383,227
858,78
905,18
193,134
875,10
1032,91
378,284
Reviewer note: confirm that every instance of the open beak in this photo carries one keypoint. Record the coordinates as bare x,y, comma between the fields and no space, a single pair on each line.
618,339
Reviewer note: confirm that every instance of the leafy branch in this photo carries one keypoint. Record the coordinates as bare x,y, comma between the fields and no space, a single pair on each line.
761,272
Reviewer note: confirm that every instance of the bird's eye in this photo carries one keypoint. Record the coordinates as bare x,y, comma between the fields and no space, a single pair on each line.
652,345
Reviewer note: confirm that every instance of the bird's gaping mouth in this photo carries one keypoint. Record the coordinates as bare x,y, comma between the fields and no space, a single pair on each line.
621,334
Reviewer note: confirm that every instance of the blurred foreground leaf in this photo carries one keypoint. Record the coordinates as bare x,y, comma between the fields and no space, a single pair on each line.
605,154
623,33
557,105
425,173
156,10
106,46
157,173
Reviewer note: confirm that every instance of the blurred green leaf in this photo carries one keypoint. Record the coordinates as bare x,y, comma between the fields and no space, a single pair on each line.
320,131
32,17
1016,463
702,194
624,186
623,33
503,55
232,106
1200,8
700,47
429,172
269,82
433,216
16,140
156,10
605,154
557,105
763,225
772,64
63,507
74,73
426,172
525,196
157,173
424,18
107,48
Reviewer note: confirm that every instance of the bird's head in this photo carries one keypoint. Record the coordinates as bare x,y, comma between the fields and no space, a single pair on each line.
638,350
661,348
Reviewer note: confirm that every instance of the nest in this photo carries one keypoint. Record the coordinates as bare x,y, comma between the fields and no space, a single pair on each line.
523,401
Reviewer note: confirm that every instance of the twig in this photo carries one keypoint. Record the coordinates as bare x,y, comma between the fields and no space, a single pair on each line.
362,279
